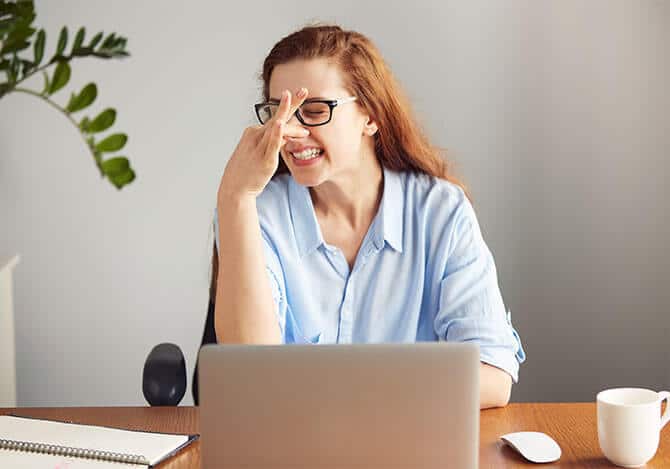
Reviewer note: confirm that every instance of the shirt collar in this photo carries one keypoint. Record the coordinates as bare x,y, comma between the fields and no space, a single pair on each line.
392,211
305,225
391,215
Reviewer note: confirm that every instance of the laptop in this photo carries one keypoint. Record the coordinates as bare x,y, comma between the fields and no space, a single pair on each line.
340,406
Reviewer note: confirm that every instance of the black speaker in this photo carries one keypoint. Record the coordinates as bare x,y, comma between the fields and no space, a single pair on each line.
164,376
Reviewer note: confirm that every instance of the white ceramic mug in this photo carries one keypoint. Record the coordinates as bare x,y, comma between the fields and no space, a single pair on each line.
630,423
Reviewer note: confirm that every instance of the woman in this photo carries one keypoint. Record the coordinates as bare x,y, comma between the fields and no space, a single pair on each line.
342,223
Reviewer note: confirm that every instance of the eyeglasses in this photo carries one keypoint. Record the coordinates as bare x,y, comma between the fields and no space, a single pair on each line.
312,113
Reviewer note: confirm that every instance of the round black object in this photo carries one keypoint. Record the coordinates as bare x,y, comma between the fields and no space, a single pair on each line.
164,377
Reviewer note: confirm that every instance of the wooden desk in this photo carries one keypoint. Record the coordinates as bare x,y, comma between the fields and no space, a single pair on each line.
573,426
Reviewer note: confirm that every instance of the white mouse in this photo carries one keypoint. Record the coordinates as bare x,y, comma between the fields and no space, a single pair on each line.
534,446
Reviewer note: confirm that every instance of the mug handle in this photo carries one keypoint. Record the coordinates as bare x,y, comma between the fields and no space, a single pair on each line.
665,396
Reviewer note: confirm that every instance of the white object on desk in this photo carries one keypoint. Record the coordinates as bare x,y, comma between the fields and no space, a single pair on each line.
534,446
7,347
35,443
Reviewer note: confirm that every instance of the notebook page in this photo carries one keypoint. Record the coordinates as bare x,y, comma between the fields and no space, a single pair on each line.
152,446
18,459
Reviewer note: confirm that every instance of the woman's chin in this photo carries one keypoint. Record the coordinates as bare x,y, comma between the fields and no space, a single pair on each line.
307,176
307,180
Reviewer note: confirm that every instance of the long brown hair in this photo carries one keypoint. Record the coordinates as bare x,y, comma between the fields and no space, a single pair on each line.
400,143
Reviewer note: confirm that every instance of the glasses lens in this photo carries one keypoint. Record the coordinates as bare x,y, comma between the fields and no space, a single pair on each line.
266,112
314,113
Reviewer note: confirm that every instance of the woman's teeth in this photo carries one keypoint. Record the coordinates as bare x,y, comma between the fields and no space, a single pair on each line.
308,154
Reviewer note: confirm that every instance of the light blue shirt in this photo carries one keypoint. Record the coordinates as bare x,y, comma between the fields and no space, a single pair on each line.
422,273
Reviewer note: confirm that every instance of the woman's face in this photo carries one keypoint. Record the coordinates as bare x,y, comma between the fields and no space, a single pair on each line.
342,140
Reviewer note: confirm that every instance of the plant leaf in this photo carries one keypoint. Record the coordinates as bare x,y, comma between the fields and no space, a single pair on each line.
62,42
115,166
5,25
15,25
107,54
47,83
39,47
78,39
112,143
13,69
15,46
60,78
118,171
94,42
83,125
102,121
83,99
17,37
123,179
112,46
109,41
26,67
4,88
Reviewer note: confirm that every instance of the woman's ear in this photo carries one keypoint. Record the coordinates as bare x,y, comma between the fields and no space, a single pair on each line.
370,127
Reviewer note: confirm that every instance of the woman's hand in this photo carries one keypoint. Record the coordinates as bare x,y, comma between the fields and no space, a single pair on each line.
256,156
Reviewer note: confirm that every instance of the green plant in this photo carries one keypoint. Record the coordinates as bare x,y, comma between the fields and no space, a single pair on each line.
17,35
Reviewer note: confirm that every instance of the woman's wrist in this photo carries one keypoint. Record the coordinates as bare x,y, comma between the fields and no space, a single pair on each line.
235,204
229,192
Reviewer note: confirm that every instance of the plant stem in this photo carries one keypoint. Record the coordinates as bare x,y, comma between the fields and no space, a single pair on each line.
33,72
60,58
64,112
51,103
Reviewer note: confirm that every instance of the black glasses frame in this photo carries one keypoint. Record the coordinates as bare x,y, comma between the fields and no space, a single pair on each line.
332,104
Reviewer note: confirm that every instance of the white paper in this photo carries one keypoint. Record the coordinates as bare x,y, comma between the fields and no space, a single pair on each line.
23,460
153,446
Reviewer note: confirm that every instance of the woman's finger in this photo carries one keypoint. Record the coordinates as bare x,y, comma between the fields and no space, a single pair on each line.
288,108
265,138
287,130
297,102
274,140
284,106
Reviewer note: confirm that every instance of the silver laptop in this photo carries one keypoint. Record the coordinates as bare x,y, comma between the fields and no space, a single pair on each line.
340,406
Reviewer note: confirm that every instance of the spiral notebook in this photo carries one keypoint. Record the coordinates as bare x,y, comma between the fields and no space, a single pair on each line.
36,443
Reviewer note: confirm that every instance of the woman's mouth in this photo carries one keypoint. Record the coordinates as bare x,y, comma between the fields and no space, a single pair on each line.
306,157
307,154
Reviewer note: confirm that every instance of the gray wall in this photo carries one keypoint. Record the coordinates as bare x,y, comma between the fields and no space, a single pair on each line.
555,113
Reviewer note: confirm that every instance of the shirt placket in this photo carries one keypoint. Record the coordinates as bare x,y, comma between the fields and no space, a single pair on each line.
348,304
346,311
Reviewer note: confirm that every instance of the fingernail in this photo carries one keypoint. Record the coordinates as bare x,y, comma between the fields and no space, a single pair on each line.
284,94
302,92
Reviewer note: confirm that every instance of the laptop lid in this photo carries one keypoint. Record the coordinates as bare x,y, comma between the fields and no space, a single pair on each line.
326,406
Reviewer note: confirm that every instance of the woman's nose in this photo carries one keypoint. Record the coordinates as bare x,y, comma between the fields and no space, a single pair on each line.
293,120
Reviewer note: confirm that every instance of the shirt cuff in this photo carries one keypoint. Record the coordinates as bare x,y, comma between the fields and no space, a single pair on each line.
502,359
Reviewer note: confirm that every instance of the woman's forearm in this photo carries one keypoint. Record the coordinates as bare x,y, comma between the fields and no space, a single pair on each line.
245,310
495,386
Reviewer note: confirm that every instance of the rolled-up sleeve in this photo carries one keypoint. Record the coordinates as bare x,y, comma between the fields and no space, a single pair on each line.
276,278
471,308
290,331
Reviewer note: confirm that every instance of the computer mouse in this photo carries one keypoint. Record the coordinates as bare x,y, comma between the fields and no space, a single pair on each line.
534,446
